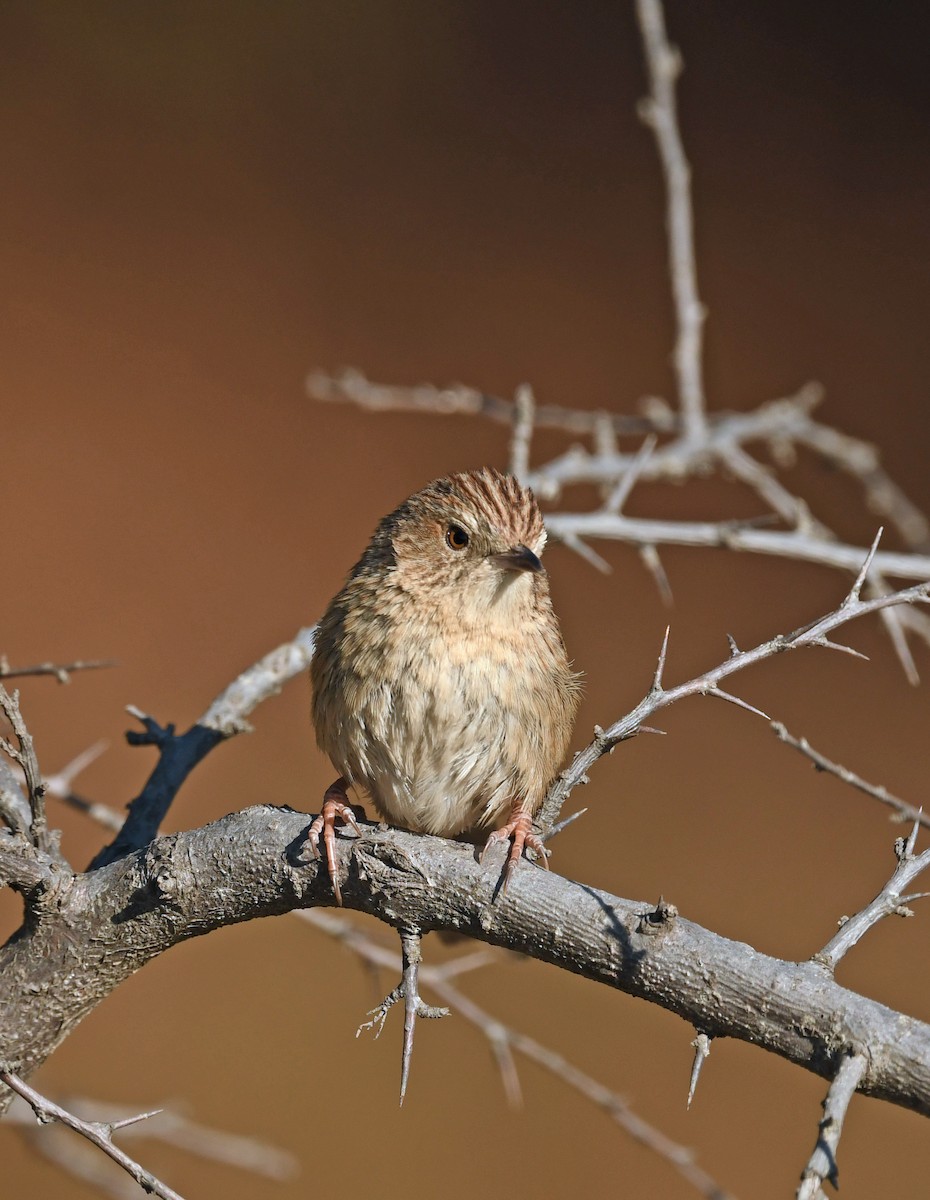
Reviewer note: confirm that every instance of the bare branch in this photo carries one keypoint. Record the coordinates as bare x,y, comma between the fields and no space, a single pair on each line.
504,1040
98,1132
822,1163
524,408
891,900
62,672
659,113
14,807
24,755
180,753
658,697
643,531
59,786
901,810
352,387
628,480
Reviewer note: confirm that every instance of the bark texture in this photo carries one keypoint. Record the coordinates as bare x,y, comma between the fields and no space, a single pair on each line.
84,934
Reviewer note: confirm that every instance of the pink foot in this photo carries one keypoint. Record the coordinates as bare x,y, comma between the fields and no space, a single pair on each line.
520,828
335,804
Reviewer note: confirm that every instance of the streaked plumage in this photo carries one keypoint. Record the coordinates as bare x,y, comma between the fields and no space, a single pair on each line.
441,686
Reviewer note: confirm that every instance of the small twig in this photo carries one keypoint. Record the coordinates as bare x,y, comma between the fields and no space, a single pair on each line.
61,671
14,807
172,1128
701,1046
628,480
407,990
59,786
901,810
659,113
822,1163
98,1132
524,408
24,755
812,634
180,753
891,900
352,387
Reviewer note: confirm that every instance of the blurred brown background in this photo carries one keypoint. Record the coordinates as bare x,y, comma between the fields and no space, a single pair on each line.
202,201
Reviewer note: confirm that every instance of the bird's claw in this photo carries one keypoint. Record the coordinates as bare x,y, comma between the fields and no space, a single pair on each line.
520,829
335,804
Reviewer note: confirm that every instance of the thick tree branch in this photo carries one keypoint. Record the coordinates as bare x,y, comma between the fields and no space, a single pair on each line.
113,920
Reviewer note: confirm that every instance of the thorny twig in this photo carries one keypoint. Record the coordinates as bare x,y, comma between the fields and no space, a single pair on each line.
167,1126
889,901
505,1040
708,684
98,1132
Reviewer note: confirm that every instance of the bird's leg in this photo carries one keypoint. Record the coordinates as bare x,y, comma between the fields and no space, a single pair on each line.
408,991
335,804
519,826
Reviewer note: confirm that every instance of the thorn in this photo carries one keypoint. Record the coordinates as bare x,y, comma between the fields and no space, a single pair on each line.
584,550
828,645
111,1125
853,596
701,1046
895,628
912,839
734,649
731,699
650,729
660,666
650,558
564,824
621,493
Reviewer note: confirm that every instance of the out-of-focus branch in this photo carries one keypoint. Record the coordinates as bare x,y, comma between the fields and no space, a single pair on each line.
61,671
167,1126
504,1040
98,1132
659,112
732,535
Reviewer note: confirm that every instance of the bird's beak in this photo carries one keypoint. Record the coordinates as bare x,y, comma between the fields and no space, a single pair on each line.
520,558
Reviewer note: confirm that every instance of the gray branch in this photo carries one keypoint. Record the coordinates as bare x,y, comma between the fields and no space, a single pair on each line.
659,112
822,1163
108,923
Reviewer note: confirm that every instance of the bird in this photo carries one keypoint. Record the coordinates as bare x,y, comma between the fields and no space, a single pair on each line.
441,684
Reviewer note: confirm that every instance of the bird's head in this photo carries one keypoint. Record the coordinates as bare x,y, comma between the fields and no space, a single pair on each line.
476,536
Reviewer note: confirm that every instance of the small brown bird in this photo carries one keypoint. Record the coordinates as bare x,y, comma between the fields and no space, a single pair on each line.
441,686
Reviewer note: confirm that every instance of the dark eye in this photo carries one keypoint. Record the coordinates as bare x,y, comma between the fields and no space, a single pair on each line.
456,537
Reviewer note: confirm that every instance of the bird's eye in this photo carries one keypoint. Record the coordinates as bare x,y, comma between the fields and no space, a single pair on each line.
456,537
